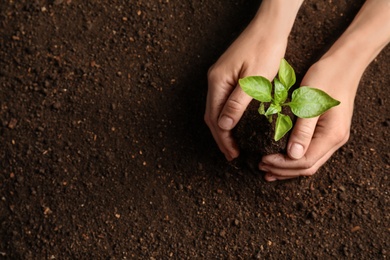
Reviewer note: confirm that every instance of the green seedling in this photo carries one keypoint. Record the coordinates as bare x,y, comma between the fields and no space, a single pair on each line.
305,102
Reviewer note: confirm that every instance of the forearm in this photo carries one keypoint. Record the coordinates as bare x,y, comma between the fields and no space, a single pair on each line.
278,16
367,35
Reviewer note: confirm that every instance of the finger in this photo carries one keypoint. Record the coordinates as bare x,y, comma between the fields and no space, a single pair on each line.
318,153
224,118
226,143
277,173
224,139
269,177
321,142
218,93
301,137
233,109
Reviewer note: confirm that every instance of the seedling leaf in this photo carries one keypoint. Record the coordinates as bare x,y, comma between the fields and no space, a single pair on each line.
281,92
273,109
310,102
286,74
283,125
306,102
261,109
257,87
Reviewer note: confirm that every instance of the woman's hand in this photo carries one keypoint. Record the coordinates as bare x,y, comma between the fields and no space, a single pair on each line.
338,73
257,51
314,140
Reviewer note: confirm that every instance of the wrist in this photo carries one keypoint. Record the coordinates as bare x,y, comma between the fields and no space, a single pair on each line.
367,35
349,56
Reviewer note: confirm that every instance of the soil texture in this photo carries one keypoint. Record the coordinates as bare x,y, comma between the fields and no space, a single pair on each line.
104,153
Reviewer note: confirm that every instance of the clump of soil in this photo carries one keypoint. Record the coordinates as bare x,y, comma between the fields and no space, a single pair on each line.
255,137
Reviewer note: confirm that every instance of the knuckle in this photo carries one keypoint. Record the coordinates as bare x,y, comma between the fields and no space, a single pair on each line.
311,172
213,74
210,121
233,106
344,137
341,136
207,119
305,132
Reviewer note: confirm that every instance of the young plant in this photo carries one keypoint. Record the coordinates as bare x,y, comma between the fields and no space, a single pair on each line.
306,102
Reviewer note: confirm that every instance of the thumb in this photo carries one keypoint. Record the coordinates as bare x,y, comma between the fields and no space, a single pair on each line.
233,109
301,137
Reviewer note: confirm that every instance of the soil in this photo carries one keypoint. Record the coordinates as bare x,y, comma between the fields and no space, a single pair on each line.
104,153
254,135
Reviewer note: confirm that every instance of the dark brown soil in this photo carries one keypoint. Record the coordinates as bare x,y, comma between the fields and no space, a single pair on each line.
104,153
254,135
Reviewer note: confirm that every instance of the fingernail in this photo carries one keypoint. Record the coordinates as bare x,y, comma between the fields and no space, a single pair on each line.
296,151
225,123
270,177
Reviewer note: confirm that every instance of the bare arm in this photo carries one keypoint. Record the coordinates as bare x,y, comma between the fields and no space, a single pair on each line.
367,35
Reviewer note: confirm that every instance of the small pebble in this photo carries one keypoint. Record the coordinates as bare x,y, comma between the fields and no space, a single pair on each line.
57,105
58,2
12,123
